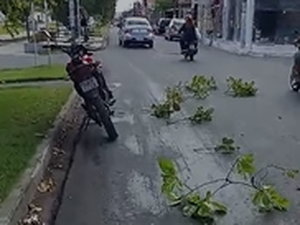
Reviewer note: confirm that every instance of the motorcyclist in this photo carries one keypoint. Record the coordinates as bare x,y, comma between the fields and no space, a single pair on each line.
84,19
295,76
188,32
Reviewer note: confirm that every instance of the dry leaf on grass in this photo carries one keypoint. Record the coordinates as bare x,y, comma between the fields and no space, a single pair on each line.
32,220
58,166
34,209
57,151
39,135
46,186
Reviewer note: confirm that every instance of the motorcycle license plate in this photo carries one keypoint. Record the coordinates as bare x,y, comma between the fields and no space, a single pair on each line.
192,47
89,84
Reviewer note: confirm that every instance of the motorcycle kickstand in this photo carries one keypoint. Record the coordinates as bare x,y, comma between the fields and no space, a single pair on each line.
86,122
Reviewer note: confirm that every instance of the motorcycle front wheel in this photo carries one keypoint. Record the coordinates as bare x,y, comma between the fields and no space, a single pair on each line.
294,86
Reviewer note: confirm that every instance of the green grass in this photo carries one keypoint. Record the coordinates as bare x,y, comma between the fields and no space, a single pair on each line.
25,112
39,73
4,31
100,30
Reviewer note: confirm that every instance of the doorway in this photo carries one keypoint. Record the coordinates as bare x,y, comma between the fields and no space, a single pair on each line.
267,22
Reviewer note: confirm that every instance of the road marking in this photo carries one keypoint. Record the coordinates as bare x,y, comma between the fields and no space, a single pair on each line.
125,118
141,188
132,144
114,85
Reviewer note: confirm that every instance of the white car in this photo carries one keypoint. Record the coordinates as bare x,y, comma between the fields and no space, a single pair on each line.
173,28
136,30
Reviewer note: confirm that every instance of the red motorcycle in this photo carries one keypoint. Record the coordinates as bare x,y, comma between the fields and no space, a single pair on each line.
88,81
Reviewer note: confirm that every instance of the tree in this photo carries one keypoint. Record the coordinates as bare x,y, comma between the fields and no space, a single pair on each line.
163,5
104,9
101,8
17,12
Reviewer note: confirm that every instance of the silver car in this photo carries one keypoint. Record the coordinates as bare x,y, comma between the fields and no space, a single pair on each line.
173,29
136,30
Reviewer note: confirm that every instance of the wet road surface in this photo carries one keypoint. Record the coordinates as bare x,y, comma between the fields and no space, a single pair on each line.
119,183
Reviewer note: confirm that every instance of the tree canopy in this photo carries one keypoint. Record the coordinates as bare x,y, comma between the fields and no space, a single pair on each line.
103,8
163,5
18,11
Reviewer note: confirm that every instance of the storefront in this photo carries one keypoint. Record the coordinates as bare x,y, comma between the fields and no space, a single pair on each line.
275,20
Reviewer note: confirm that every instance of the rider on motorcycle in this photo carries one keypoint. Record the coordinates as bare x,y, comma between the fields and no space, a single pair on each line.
295,76
188,31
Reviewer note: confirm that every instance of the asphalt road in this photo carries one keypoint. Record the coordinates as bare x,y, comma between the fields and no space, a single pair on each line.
119,183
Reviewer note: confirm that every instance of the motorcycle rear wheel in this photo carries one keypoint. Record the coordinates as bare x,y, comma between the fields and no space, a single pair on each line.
294,87
103,116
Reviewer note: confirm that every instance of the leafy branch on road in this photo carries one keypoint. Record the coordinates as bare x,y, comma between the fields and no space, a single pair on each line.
203,206
201,85
171,104
227,146
174,97
240,88
202,115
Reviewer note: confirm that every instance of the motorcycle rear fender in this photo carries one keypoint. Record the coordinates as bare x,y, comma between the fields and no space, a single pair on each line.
92,95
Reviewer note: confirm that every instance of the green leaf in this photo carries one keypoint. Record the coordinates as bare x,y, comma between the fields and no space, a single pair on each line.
176,202
169,184
167,166
245,165
291,173
194,198
204,210
219,208
189,210
268,199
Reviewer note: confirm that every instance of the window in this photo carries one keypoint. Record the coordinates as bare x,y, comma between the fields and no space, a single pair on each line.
137,22
178,23
164,23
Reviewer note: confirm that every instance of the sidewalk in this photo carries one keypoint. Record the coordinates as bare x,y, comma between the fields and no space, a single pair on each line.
286,51
12,48
9,38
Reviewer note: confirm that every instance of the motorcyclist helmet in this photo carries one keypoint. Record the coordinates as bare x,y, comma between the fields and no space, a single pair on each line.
188,17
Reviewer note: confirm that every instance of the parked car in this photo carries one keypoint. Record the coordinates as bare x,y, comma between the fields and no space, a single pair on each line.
136,30
161,25
173,28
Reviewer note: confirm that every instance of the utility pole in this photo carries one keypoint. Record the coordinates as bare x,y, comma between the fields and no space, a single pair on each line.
72,20
175,4
225,19
250,5
78,19
47,26
146,8
34,24
195,12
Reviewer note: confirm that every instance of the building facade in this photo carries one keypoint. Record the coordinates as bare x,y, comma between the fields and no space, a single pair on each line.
276,19
260,21
184,7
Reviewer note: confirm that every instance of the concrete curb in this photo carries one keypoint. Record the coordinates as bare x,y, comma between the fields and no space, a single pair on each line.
245,52
15,205
105,42
12,40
